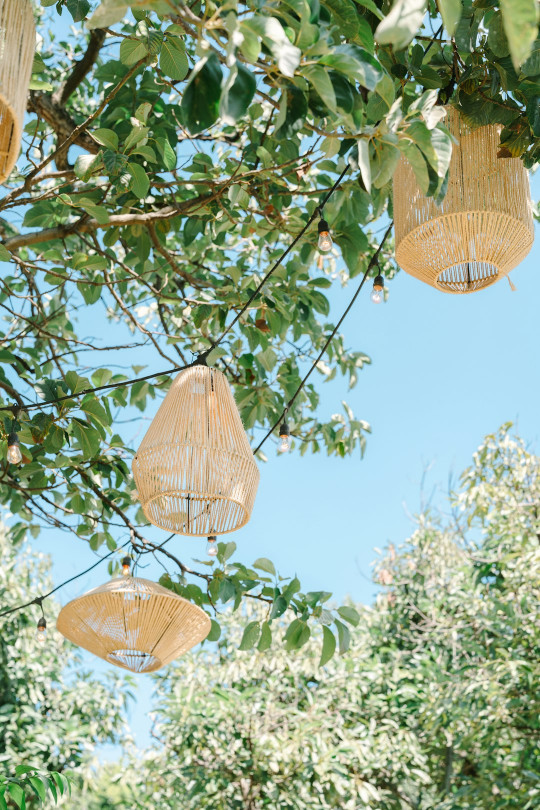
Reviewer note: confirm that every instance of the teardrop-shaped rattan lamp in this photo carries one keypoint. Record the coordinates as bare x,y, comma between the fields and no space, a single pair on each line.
133,623
482,229
17,44
194,471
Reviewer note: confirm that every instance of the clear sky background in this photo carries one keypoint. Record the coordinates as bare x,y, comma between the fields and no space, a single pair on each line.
446,370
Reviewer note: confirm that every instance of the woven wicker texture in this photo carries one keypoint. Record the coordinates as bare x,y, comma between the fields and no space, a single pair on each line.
133,623
194,471
483,227
17,44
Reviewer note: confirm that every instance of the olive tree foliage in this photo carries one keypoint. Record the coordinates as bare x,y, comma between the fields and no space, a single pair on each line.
171,154
53,712
436,704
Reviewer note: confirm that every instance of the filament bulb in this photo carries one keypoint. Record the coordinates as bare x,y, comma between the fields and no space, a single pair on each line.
14,455
41,632
377,294
284,435
211,546
325,240
126,566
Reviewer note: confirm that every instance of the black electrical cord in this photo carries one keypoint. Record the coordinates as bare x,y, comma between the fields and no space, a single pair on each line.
372,263
201,358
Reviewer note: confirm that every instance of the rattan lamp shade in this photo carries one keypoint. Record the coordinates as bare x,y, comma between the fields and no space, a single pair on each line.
133,623
17,44
483,227
194,471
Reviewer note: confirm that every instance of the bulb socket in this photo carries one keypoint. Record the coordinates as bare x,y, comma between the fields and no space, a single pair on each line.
284,430
127,561
13,440
378,283
42,624
212,538
323,226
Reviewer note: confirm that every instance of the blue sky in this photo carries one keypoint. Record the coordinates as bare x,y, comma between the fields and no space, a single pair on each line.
446,370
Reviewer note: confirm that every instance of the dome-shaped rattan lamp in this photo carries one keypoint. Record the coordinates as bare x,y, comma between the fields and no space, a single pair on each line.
482,229
133,623
17,44
194,471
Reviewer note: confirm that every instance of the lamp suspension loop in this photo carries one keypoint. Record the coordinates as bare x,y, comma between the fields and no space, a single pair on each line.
482,228
133,623
17,45
194,471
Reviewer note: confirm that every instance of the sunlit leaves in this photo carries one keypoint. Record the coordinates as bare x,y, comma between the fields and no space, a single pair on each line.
401,24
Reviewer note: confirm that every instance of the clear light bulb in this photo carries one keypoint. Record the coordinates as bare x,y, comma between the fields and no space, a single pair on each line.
41,632
211,547
14,455
325,241
285,445
377,296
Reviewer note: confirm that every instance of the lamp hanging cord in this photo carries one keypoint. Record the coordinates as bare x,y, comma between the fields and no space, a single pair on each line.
372,263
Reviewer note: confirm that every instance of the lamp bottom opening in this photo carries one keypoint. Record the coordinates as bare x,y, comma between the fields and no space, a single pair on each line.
467,277
134,660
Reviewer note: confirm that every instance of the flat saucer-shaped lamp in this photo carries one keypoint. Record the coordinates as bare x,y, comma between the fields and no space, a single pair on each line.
483,227
133,623
194,471
17,45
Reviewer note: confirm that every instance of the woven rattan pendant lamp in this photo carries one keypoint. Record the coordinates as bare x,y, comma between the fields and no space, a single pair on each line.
17,44
133,623
194,471
482,229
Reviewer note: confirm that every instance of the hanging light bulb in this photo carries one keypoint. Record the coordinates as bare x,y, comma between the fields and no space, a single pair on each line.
325,240
377,294
284,435
41,632
14,455
211,547
126,566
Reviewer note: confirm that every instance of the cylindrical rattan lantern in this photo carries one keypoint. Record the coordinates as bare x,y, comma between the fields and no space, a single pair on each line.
482,229
194,471
133,623
17,45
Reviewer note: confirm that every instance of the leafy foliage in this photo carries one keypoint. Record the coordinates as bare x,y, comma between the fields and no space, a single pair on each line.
435,706
53,712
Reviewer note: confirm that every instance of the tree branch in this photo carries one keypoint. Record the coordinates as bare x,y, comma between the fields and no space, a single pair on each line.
81,68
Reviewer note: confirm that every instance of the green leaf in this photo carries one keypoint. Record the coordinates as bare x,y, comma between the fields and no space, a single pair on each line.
17,794
108,13
5,255
328,647
263,564
344,636
85,165
297,635
520,20
355,63
451,13
533,114
88,438
200,102
106,137
131,51
350,614
265,641
250,636
172,58
167,153
401,24
225,551
215,631
140,182
237,94
78,9
38,786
